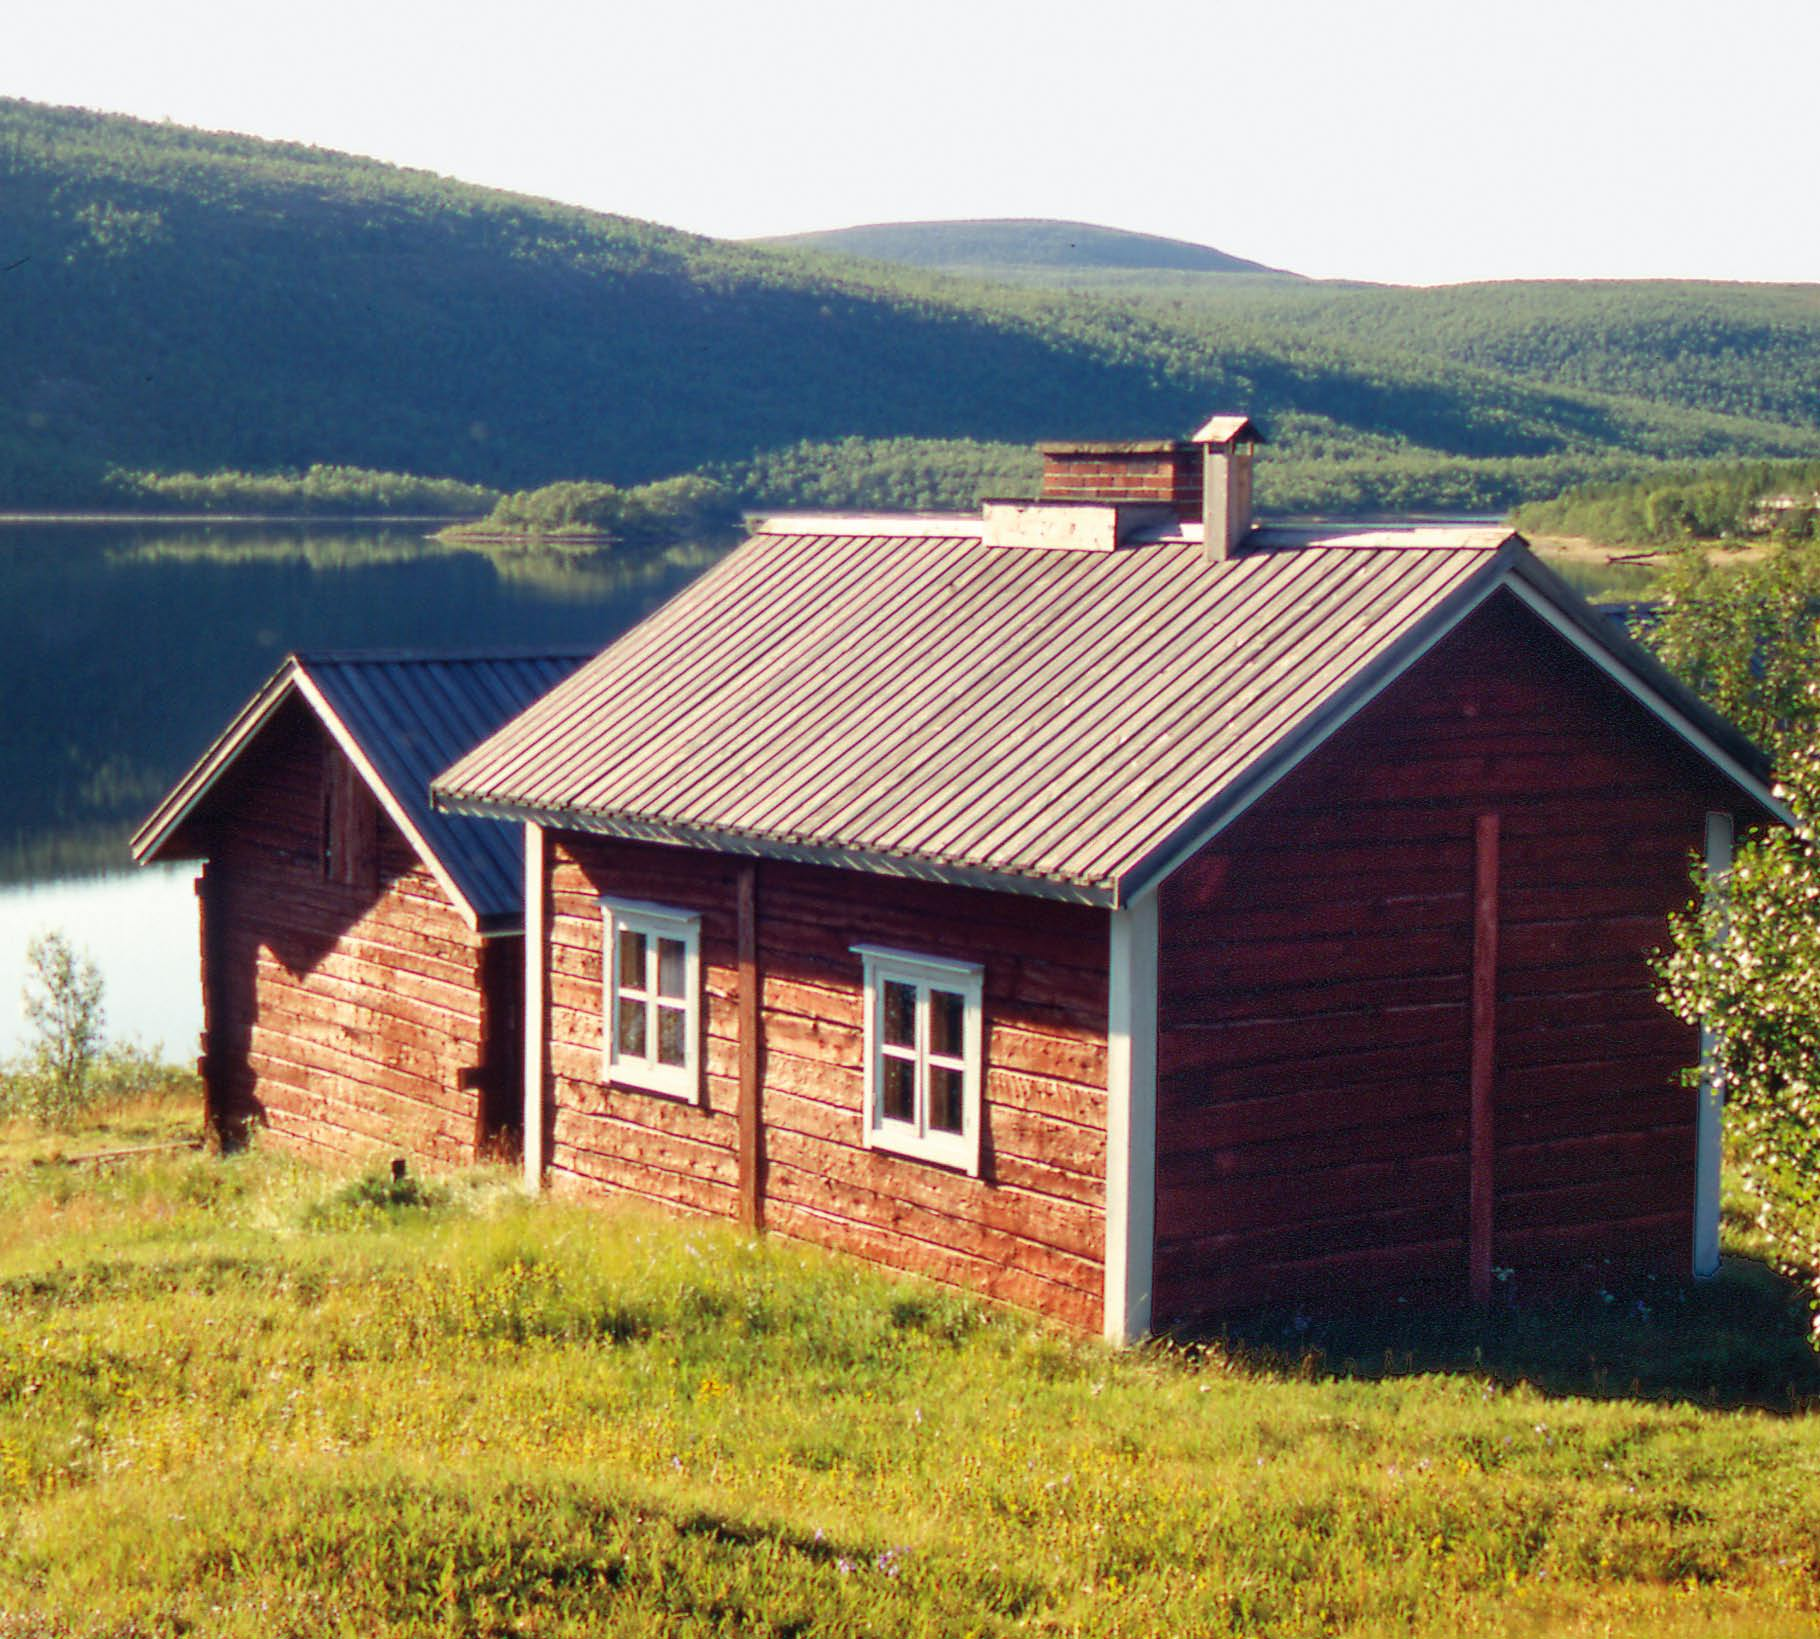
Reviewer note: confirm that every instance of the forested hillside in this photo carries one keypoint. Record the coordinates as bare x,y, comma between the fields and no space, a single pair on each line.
175,301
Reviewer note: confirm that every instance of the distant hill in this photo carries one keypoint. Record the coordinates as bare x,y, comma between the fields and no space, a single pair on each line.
173,300
1019,243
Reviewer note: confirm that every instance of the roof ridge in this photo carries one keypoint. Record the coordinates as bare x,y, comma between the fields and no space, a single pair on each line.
434,657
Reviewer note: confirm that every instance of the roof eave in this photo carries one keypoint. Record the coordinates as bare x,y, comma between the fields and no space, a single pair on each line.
158,827
1722,743
908,867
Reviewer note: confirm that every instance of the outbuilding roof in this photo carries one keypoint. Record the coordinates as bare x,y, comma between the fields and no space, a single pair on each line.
896,696
401,718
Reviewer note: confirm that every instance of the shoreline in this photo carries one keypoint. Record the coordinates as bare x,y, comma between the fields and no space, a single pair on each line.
314,518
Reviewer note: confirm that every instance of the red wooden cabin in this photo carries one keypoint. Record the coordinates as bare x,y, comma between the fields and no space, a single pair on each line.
1125,911
362,955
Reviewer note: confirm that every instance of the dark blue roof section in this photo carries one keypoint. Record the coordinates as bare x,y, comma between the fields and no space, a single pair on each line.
416,714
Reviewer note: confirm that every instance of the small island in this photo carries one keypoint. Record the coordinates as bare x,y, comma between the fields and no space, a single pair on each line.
590,516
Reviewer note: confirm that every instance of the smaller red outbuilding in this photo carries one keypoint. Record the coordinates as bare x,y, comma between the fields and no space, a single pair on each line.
362,955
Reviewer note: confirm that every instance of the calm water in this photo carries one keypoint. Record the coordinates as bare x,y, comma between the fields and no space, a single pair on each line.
125,648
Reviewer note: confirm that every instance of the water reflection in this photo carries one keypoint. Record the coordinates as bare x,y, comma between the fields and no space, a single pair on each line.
124,648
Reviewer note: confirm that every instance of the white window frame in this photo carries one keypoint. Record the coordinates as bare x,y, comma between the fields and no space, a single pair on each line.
915,1138
679,1081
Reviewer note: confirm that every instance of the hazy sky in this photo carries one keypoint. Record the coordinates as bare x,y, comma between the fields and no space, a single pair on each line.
1406,140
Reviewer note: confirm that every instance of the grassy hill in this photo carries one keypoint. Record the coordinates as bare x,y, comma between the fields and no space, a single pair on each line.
177,301
1018,243
242,1398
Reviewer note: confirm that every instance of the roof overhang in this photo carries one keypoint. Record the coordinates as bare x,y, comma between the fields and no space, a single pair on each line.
802,851
292,678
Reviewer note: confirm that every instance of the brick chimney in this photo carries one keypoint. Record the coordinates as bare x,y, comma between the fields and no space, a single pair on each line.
1164,470
1098,497
1206,477
1226,442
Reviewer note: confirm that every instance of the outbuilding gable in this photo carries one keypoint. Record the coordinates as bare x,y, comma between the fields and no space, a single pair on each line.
397,719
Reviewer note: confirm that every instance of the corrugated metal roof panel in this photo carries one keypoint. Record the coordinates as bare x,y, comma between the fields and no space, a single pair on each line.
1043,715
414,717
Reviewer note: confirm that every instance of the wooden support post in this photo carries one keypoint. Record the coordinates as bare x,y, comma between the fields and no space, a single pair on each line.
207,1062
1484,1055
1710,1119
751,1124
537,1005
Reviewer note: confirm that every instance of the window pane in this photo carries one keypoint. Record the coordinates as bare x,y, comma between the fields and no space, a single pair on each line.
899,1077
631,960
670,953
898,1028
945,1099
947,1023
631,1028
671,1025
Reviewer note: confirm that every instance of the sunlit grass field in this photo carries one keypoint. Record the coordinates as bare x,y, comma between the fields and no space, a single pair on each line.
247,1397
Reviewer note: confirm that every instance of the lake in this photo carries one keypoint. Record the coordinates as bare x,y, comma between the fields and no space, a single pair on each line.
125,648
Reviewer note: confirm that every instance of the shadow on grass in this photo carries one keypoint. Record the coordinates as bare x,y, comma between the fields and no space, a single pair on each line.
1739,1340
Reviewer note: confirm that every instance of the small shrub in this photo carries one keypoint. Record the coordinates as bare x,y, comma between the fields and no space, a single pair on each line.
379,1192
62,998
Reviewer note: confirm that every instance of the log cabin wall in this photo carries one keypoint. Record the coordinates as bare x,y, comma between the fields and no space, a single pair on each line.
1030,1229
1315,996
346,1019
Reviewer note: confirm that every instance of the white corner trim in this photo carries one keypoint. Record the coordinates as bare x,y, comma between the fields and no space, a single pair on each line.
339,733
1131,1030
1640,691
1709,1129
536,1025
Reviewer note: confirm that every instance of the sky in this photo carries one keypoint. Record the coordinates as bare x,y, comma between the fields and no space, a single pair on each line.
1406,141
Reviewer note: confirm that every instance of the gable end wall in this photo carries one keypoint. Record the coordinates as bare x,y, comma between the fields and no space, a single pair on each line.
1315,990
344,1021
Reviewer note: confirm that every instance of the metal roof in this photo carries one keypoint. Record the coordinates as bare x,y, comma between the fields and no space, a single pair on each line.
402,718
1057,723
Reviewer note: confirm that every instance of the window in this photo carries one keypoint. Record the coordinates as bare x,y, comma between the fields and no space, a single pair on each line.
923,1035
651,969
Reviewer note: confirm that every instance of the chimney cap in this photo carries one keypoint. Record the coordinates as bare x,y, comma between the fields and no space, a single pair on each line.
1228,429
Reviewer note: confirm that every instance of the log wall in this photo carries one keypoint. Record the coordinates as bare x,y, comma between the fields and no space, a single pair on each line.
345,1020
1315,995
1030,1229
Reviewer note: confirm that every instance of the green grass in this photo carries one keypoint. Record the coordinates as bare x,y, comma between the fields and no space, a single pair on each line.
245,1397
